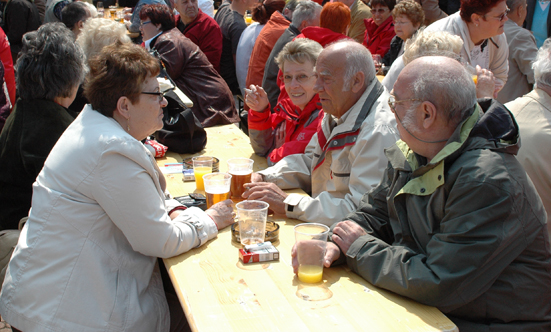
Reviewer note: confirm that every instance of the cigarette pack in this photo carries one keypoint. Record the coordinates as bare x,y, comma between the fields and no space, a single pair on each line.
188,175
263,254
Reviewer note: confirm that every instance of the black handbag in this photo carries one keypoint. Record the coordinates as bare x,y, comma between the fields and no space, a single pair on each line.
182,132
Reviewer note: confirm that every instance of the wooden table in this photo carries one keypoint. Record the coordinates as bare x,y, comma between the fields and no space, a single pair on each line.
218,293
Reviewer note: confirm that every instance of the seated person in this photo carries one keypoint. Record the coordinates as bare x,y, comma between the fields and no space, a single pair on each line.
97,33
334,22
408,16
74,15
455,222
49,71
379,30
5,105
188,66
87,256
533,115
297,115
344,159
134,23
18,18
201,29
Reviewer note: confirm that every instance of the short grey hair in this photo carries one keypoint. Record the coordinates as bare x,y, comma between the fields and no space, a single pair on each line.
542,65
299,51
306,10
50,64
425,43
513,4
100,32
358,59
291,5
452,92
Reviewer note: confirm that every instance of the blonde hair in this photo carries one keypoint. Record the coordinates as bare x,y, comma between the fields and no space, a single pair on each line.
432,43
299,51
98,33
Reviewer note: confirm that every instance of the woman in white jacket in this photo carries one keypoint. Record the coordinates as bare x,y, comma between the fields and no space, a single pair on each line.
86,259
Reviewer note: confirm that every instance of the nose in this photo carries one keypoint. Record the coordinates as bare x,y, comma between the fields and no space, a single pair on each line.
164,102
294,83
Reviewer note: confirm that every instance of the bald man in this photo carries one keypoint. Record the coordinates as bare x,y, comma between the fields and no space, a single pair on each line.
455,222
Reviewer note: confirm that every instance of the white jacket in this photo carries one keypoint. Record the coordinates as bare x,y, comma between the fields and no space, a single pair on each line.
86,259
348,162
499,50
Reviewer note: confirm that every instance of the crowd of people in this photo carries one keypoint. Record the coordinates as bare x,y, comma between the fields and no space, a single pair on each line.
417,127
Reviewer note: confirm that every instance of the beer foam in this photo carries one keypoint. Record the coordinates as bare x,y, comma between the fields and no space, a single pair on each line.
241,172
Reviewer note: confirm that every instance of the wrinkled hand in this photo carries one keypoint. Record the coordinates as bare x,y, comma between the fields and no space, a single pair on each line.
256,98
256,177
222,214
345,233
280,135
267,192
486,83
127,17
332,253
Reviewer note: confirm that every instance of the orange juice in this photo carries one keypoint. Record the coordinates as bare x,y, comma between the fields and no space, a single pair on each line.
248,20
310,273
199,172
475,79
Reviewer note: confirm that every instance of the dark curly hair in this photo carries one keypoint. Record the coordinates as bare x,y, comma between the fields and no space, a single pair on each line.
262,12
386,3
158,14
480,7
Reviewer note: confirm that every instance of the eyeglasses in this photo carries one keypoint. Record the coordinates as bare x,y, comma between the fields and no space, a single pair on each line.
160,95
500,17
302,78
144,23
392,102
401,23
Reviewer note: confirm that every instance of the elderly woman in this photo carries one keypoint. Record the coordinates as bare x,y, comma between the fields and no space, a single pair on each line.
190,69
479,23
379,29
49,71
408,16
87,256
96,34
289,129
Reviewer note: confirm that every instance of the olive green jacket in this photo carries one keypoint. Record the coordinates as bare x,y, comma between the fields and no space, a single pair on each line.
465,232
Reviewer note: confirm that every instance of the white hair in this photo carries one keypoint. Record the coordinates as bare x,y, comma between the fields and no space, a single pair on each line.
542,65
99,32
358,59
431,43
306,10
91,9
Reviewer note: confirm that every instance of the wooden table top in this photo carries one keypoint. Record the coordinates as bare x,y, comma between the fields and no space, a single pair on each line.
219,293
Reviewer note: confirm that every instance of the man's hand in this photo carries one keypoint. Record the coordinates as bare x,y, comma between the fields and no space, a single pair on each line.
486,83
256,177
267,192
345,233
222,214
332,253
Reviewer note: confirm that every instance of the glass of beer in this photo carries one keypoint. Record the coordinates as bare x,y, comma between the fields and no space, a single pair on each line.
241,170
252,216
310,242
217,187
201,165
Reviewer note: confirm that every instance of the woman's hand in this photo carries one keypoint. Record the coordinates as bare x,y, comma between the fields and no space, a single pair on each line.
280,135
256,98
485,85
222,214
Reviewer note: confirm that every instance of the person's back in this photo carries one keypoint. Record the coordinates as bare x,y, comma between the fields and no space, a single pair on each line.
19,17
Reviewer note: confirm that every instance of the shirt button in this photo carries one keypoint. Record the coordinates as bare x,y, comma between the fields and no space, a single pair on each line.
422,190
439,177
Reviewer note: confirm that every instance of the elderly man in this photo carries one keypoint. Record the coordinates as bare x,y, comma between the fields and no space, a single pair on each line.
201,29
358,12
522,52
533,115
455,222
74,15
306,14
344,159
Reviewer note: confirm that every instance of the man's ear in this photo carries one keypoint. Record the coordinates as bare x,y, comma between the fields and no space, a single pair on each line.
358,82
429,114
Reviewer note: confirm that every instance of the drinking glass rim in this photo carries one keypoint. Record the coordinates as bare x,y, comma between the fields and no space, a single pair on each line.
327,229
238,205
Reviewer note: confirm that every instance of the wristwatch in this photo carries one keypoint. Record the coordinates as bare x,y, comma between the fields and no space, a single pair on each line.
201,232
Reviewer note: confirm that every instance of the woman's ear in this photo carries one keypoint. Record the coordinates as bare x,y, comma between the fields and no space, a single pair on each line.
475,18
123,107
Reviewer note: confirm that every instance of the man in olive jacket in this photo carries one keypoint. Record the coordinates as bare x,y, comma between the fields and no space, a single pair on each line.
455,222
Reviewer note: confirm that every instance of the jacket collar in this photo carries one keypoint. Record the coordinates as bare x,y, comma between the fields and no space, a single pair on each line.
288,111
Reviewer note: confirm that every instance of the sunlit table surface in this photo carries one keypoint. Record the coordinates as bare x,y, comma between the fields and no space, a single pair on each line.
219,293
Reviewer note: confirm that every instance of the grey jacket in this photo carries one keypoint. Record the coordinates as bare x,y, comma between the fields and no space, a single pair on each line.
465,232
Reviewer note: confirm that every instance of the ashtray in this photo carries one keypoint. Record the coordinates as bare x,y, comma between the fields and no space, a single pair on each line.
188,164
272,232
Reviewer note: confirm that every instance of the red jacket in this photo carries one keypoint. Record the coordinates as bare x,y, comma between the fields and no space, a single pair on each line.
205,33
7,61
300,126
263,46
377,38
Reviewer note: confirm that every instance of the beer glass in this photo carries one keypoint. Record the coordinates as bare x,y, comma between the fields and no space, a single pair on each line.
310,242
252,216
217,187
241,170
201,165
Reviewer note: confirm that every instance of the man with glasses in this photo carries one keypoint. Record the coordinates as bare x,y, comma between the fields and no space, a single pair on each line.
455,222
345,158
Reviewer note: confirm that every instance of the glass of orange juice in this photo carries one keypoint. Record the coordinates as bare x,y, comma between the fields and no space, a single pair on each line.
310,242
201,165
